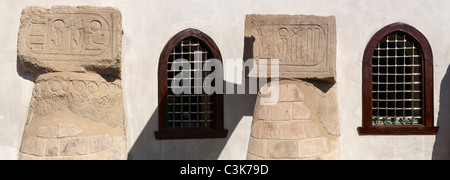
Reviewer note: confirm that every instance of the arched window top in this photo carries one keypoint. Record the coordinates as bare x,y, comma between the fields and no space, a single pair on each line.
193,33
401,28
188,116
398,83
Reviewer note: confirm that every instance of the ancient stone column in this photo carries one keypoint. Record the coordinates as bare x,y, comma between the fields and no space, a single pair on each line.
301,124
76,110
302,121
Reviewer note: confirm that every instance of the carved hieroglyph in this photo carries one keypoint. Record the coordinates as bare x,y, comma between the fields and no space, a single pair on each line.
301,124
304,45
76,110
70,39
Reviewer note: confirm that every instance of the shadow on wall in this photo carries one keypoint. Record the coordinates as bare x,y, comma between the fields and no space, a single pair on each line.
25,75
236,106
441,149
147,147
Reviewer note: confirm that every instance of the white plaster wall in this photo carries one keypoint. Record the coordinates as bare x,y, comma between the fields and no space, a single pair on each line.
149,24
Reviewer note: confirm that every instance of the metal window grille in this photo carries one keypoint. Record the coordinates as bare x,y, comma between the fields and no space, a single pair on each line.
189,110
397,81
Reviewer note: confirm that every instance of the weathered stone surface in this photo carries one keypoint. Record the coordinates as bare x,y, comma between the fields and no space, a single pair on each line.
118,140
65,158
298,130
48,132
53,147
72,39
282,149
300,111
294,94
333,144
253,157
100,143
297,127
333,155
34,146
104,155
282,111
312,147
77,92
269,95
256,129
29,157
99,147
309,129
115,154
119,152
68,130
304,45
75,146
77,104
290,130
265,112
327,110
257,147
270,130
283,93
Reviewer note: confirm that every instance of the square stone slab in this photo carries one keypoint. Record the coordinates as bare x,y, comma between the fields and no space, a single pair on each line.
304,45
74,39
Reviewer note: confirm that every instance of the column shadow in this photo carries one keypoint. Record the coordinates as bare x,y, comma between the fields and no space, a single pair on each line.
441,149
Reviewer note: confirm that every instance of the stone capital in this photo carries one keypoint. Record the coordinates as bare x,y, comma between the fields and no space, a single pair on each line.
304,45
70,39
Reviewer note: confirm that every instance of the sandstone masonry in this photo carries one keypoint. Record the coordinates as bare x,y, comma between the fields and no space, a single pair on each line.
292,127
76,111
302,123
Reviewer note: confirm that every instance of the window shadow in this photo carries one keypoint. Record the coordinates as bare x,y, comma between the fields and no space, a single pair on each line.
147,147
441,149
236,108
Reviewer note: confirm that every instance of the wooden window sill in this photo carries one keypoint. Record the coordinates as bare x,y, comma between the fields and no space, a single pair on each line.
398,130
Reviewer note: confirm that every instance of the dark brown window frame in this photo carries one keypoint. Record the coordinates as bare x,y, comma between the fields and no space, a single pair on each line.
427,128
164,132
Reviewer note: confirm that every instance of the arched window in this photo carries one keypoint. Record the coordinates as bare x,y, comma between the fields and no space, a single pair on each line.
398,83
195,114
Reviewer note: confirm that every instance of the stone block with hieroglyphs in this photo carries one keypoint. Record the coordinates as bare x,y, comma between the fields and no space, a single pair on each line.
304,45
77,104
75,39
